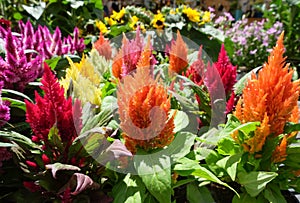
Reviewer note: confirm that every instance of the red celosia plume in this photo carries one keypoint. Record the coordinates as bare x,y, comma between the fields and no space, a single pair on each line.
53,109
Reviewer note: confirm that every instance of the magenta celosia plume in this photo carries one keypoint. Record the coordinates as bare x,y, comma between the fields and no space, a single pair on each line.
26,50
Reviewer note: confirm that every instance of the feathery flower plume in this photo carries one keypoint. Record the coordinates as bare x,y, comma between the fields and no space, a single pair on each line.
18,69
53,109
226,70
85,81
103,47
271,98
178,55
144,112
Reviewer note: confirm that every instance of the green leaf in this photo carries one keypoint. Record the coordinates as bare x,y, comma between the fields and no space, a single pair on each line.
291,127
53,62
8,91
158,175
17,16
180,146
230,163
5,144
212,31
255,181
18,138
273,194
15,103
181,120
98,4
196,194
244,198
206,174
186,166
130,190
54,138
35,11
227,146
59,166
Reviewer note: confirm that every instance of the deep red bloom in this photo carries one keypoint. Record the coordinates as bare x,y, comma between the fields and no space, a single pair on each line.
52,109
226,70
31,164
46,159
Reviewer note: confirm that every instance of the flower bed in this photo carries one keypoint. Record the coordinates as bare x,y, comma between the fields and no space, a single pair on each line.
144,117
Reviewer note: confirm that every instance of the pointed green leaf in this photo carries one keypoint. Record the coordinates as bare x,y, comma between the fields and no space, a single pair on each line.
130,190
196,194
156,175
229,164
255,181
206,174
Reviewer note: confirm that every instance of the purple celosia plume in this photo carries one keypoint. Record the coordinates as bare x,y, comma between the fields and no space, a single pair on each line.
18,69
26,50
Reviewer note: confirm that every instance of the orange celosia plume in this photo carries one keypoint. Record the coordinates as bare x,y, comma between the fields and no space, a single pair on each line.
144,112
178,55
271,96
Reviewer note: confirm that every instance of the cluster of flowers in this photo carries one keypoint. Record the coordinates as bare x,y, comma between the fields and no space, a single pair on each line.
251,41
25,51
167,17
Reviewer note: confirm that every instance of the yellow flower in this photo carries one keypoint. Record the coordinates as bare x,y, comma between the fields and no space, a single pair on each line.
206,17
173,12
101,26
85,81
118,15
133,22
159,21
192,14
110,21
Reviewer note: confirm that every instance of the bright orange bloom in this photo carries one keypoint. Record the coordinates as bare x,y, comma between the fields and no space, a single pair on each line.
144,112
117,65
271,94
146,56
279,153
103,47
178,55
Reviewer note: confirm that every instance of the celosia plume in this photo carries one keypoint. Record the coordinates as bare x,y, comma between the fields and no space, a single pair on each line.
271,96
20,66
53,109
226,70
85,81
130,55
178,55
103,47
144,112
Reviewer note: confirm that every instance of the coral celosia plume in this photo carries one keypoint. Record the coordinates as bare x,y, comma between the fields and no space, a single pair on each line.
144,112
178,55
271,98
